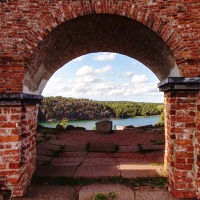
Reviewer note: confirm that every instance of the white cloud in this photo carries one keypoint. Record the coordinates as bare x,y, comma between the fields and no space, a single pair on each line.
91,87
54,85
104,69
88,70
127,74
139,78
134,62
105,56
114,92
88,79
80,58
85,70
104,86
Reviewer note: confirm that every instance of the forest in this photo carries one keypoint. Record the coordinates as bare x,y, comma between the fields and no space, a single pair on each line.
59,108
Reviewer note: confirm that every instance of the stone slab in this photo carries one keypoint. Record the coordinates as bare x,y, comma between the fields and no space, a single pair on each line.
130,170
95,171
56,171
102,147
49,192
75,147
100,160
128,149
153,195
45,152
122,192
66,164
49,146
67,160
101,155
43,158
73,154
58,193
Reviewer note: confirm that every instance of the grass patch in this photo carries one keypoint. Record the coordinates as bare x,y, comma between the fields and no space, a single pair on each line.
112,195
156,182
142,150
116,148
157,142
100,196
87,147
58,152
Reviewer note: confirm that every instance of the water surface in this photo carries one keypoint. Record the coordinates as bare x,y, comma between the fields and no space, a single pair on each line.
90,124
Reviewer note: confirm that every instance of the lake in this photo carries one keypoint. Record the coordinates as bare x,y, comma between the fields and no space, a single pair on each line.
90,124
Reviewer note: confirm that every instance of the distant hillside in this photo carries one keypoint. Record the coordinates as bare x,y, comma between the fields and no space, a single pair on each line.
57,108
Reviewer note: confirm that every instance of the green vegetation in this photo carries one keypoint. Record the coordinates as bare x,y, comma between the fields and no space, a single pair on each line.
155,182
112,194
162,118
100,196
157,142
87,148
63,109
140,148
58,152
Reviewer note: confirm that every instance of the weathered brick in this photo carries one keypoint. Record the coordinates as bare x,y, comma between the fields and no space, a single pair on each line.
175,23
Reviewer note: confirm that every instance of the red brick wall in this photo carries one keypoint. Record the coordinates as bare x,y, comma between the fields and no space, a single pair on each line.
17,146
182,145
25,24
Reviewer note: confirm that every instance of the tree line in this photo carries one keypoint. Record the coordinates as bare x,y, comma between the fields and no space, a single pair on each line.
58,108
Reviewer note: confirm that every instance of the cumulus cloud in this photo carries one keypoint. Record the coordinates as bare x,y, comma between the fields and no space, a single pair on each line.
85,70
80,58
139,78
91,87
54,85
104,69
87,79
88,70
127,74
89,82
104,86
105,56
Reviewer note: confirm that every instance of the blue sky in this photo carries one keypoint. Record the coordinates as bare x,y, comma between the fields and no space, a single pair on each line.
105,76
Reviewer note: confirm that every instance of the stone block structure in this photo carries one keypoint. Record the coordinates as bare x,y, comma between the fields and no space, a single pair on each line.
37,37
104,126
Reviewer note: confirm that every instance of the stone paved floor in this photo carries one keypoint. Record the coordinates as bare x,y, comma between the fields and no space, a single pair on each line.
97,159
100,161
122,192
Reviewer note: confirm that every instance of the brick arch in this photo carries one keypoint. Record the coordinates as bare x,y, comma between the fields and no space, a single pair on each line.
25,29
24,25
81,35
162,24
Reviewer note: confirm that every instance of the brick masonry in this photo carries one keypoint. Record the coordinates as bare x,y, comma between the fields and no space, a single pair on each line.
167,41
181,135
25,25
17,146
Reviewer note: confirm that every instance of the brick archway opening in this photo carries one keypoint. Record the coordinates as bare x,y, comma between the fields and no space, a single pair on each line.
97,33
